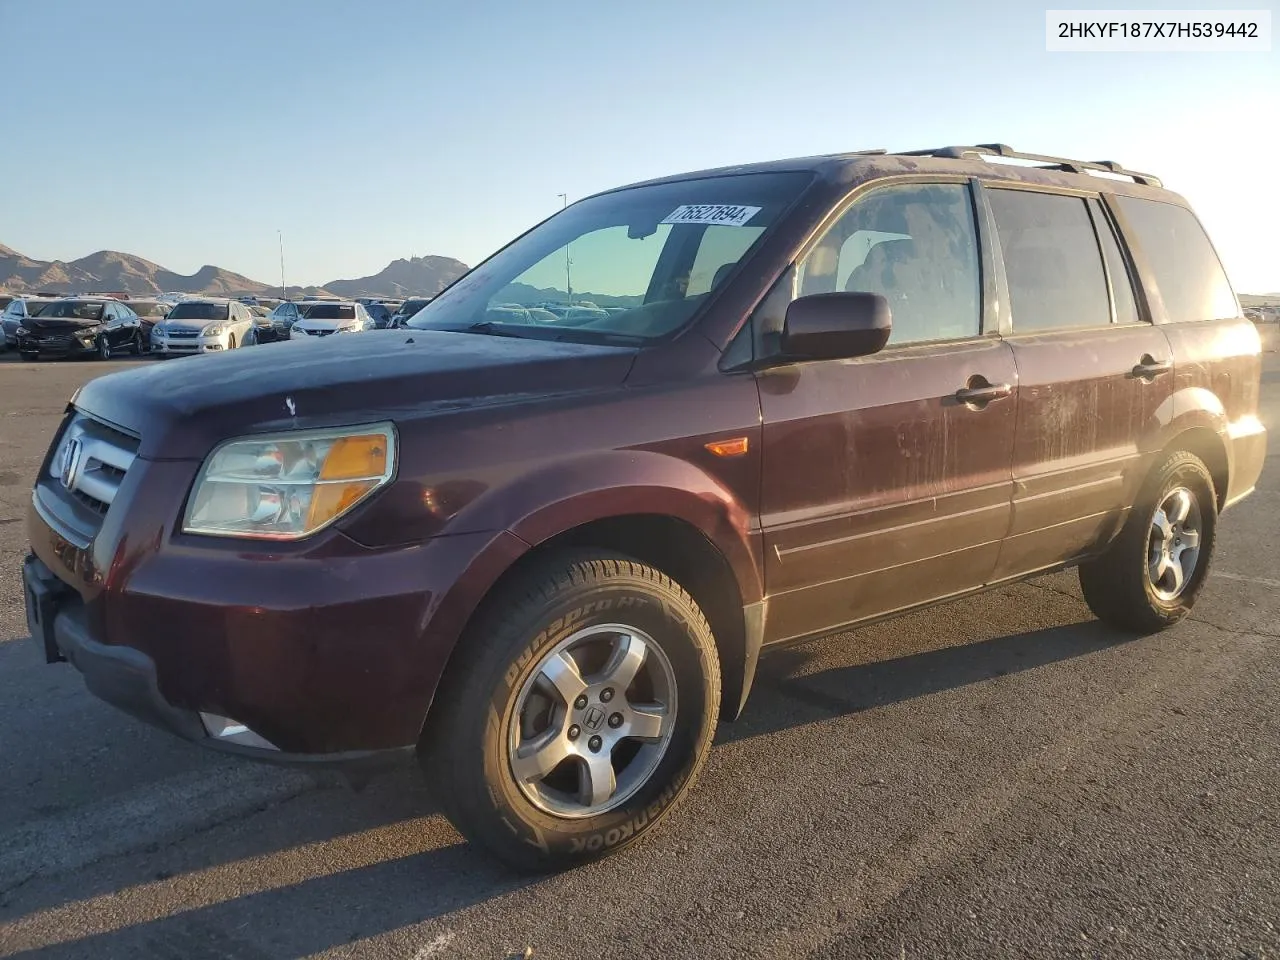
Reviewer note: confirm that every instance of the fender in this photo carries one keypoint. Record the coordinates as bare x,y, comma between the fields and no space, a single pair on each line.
545,503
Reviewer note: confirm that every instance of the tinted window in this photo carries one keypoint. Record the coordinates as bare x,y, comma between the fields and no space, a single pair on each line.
635,249
916,246
331,311
188,310
144,309
75,310
1052,261
1187,272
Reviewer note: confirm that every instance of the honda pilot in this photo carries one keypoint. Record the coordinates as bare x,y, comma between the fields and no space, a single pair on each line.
543,551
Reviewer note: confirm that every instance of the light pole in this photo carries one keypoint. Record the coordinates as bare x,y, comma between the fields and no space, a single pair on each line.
568,284
284,291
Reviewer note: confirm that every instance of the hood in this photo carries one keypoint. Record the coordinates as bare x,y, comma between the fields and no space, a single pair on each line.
58,323
181,408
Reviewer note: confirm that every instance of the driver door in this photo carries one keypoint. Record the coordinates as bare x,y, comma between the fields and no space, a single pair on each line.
883,486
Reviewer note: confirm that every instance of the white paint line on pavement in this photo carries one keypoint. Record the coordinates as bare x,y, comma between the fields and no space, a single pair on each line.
434,948
1243,579
155,813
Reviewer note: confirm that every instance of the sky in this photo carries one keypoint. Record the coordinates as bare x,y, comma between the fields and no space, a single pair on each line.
189,133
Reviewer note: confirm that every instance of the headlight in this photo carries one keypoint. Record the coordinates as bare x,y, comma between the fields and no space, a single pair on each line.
288,486
213,330
22,331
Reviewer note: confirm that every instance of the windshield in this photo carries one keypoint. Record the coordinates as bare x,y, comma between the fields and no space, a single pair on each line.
654,252
331,311
144,309
74,310
410,307
188,310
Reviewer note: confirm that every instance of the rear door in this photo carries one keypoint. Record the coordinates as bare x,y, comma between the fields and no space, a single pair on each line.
882,488
1092,372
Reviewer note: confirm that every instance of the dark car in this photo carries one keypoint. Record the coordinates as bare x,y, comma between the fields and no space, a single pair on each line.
276,325
380,314
77,326
545,556
150,312
15,314
407,310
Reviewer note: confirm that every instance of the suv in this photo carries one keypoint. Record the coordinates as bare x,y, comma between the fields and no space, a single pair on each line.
545,556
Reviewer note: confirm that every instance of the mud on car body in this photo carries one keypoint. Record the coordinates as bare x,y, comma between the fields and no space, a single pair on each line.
543,548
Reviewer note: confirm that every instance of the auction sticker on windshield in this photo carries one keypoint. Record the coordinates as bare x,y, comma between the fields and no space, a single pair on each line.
722,214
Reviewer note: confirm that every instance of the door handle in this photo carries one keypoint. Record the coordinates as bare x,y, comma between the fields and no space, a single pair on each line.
980,392
1148,368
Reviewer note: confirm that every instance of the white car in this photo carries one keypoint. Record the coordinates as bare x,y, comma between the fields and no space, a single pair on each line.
204,325
325,317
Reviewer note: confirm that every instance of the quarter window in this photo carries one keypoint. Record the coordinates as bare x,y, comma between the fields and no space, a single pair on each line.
1187,271
1052,261
916,246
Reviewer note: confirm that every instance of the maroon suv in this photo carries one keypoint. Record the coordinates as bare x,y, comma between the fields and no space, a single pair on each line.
541,536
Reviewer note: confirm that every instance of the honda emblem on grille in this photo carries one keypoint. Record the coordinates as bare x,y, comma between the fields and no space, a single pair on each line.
70,465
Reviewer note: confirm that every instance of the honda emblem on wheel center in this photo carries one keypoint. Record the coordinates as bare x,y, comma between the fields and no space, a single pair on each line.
593,719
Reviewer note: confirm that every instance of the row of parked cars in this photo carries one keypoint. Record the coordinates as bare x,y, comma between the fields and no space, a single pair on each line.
102,326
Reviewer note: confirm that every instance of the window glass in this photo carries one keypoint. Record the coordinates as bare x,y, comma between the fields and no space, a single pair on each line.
1187,272
332,311
1052,261
916,246
195,310
76,310
624,266
719,252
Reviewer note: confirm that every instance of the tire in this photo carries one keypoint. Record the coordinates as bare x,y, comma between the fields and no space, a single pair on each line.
138,346
28,357
104,349
473,738
1121,586
231,341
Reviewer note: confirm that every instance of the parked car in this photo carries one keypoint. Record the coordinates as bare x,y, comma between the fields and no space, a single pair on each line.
544,558
278,321
408,310
150,312
380,315
326,317
77,326
205,325
15,314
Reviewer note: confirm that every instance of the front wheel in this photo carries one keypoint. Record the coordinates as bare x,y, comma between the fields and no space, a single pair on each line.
581,709
231,341
104,348
1152,573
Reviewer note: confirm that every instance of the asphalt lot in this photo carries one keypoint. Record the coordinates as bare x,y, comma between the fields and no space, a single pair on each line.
999,777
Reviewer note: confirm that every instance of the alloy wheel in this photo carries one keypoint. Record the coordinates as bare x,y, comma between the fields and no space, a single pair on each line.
593,721
1173,547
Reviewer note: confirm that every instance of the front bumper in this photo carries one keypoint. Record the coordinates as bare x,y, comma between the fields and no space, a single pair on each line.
57,345
326,649
181,346
126,678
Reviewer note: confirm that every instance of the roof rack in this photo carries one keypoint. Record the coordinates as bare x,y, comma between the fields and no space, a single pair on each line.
1053,163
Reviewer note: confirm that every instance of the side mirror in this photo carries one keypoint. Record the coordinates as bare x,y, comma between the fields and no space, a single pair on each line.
835,326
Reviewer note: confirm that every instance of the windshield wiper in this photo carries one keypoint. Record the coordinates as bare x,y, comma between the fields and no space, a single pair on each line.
494,329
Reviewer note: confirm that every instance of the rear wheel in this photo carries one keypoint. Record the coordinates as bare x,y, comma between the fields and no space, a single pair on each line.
139,345
1152,573
581,709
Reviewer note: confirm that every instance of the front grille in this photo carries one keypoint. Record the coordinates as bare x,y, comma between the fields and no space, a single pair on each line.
54,341
91,474
183,334
319,333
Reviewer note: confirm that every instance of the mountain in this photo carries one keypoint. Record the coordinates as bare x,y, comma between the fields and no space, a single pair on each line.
422,276
111,270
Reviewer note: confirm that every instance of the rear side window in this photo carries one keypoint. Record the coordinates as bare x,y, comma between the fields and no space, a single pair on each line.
1187,272
1052,261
